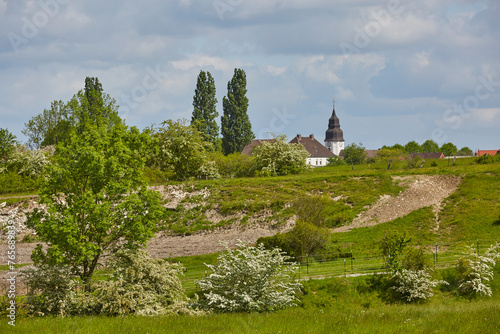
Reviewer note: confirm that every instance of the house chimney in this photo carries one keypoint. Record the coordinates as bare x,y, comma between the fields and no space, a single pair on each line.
311,136
299,136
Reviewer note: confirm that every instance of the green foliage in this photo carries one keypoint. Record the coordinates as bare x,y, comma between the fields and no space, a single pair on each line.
49,127
485,159
278,157
12,182
7,144
392,246
390,154
205,112
95,200
430,146
354,154
90,106
235,164
236,128
413,147
413,162
416,258
465,151
248,279
181,148
449,149
50,289
335,161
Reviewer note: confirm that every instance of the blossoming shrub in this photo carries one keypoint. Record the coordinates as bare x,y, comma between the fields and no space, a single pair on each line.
248,279
140,285
414,285
475,271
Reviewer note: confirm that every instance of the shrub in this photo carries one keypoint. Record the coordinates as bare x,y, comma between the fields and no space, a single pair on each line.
392,247
248,279
139,285
485,159
475,271
414,285
50,290
335,161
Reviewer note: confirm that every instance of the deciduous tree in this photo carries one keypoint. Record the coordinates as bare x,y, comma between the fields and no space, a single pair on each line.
95,198
354,154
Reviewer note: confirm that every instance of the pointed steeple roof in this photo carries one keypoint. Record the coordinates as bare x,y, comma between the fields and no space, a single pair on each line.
334,133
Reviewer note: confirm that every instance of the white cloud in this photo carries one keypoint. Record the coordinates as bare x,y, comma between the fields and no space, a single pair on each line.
487,116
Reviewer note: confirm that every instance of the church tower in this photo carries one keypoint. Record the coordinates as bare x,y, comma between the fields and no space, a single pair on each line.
334,140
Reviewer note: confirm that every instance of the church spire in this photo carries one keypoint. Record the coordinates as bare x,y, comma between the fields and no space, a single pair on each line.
334,139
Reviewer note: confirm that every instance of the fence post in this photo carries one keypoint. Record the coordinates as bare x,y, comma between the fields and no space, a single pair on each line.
307,263
345,268
352,267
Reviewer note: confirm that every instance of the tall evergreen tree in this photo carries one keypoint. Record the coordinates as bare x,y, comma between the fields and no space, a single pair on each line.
205,111
236,126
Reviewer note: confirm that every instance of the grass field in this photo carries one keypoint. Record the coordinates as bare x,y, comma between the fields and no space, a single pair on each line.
328,306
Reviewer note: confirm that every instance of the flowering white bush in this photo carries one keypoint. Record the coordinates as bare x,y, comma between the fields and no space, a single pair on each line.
278,157
141,286
30,163
248,279
476,270
414,284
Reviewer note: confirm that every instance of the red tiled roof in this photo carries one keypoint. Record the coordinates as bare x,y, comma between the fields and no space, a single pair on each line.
489,152
314,147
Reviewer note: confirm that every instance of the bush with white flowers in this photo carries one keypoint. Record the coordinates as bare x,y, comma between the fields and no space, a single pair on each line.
475,271
414,285
248,279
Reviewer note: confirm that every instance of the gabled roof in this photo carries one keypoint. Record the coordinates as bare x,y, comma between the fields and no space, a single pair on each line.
371,153
255,142
428,155
314,147
489,152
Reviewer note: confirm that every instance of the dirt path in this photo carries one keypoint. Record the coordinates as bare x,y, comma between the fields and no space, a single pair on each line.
423,191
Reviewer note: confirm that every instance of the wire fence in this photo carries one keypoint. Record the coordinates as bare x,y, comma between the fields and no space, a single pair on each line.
347,264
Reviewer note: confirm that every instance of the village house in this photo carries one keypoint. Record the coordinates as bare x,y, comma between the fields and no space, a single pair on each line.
480,153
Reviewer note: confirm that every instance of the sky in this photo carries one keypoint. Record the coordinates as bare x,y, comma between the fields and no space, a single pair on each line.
397,70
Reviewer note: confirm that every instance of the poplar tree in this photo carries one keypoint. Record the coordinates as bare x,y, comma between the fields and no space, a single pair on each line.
205,110
236,126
